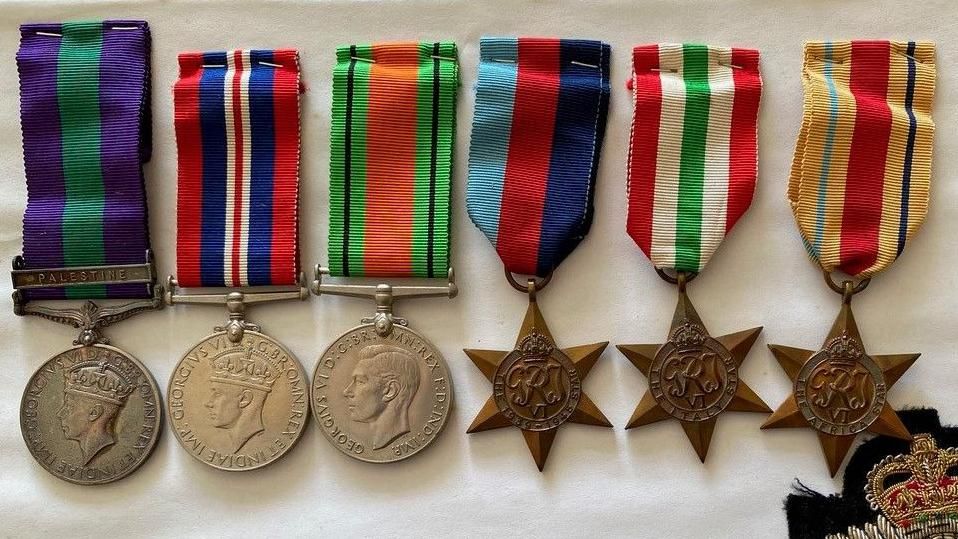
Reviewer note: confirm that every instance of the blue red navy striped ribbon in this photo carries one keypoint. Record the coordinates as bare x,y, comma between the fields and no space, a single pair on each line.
237,135
539,121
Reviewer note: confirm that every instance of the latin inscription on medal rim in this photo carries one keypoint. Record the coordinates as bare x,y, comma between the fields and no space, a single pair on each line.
238,406
381,399
693,377
840,390
91,414
536,386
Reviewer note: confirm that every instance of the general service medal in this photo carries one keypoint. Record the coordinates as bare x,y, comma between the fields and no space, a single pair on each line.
91,414
692,171
238,399
382,392
532,170
857,199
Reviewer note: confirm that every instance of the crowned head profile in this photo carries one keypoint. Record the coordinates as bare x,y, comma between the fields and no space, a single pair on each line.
94,393
240,383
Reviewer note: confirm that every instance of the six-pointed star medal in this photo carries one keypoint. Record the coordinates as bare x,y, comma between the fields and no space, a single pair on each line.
693,377
840,390
537,387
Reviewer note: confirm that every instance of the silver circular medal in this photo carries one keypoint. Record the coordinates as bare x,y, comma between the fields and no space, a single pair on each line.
381,398
238,406
91,414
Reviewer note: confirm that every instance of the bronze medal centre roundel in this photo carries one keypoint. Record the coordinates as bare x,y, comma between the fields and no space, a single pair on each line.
693,377
536,386
91,414
840,390
381,398
238,406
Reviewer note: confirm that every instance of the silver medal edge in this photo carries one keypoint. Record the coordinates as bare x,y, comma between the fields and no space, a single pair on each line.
307,415
147,452
445,418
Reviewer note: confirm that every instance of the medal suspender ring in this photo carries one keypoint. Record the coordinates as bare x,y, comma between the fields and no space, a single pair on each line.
540,282
841,288
680,278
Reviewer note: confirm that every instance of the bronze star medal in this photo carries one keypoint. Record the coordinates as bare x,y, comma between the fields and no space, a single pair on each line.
693,377
840,390
537,386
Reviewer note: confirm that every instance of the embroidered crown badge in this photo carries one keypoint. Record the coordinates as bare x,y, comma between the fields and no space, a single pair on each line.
918,487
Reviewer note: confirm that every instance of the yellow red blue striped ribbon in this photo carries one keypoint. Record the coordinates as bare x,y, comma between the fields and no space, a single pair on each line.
862,167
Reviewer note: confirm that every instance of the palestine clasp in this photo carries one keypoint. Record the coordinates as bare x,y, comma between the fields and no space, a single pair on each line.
90,318
236,301
384,295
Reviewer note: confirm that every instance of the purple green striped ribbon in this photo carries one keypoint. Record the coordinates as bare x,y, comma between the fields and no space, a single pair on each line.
85,116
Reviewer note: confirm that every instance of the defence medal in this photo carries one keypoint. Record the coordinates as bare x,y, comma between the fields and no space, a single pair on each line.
540,116
90,414
692,171
237,399
859,191
382,392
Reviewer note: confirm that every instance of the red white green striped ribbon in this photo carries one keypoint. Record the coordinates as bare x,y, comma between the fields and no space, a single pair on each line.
693,156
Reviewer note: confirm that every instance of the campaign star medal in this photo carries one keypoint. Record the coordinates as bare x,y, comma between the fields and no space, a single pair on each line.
857,199
238,398
536,386
382,392
692,173
531,194
90,414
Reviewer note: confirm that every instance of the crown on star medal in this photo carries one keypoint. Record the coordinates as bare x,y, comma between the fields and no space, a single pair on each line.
689,337
535,345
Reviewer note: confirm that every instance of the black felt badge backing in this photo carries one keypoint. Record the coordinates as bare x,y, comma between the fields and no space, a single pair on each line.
813,516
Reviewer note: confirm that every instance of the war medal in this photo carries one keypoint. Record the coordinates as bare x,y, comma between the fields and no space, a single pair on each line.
382,392
540,115
238,399
90,414
859,191
692,171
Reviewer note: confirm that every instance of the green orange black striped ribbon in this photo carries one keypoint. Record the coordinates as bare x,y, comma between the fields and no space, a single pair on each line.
862,169
393,126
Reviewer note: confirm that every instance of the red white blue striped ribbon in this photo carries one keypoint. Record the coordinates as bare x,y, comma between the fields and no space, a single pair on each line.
237,134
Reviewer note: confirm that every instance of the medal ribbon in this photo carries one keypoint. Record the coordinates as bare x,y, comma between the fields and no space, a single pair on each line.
540,116
693,156
84,98
862,167
237,137
393,132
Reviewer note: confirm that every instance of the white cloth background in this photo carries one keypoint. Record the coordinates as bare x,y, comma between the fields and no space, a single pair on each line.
608,482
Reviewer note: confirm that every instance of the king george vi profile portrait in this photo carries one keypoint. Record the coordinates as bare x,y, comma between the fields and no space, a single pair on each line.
380,391
94,393
240,383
